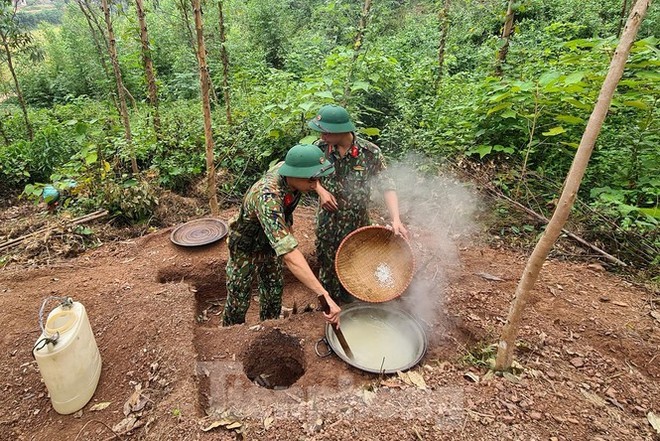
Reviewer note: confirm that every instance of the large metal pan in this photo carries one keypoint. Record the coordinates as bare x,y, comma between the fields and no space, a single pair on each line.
383,338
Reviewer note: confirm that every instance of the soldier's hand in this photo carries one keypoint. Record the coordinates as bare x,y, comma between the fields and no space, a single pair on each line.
399,229
326,199
333,316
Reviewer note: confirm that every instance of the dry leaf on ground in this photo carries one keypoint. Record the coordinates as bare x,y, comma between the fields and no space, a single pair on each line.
100,406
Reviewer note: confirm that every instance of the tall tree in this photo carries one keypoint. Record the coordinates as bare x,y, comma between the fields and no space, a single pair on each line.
357,46
443,18
120,86
100,41
205,82
148,66
622,18
3,133
182,5
507,30
225,62
13,38
571,186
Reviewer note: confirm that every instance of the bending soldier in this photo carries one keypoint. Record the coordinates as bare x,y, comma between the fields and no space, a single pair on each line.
260,237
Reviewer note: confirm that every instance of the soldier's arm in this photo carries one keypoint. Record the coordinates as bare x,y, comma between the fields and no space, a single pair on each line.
326,200
392,203
389,195
297,264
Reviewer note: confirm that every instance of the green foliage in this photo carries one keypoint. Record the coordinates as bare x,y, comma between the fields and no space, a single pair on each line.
129,199
481,354
30,18
289,57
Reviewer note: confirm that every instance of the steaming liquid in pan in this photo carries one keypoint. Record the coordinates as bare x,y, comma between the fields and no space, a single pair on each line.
379,343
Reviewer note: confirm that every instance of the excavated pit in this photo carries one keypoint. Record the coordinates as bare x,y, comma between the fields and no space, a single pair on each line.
274,360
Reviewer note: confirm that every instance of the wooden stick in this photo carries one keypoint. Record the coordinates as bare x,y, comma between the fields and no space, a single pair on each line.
566,232
80,220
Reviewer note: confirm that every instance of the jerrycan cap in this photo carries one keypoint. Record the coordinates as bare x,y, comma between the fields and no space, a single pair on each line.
61,321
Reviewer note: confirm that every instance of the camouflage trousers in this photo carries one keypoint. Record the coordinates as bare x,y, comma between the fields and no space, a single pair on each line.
331,229
241,270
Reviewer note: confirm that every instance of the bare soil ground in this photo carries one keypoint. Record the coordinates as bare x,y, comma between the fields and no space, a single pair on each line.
588,352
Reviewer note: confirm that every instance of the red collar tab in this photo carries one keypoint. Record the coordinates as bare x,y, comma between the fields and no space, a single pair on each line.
354,151
288,199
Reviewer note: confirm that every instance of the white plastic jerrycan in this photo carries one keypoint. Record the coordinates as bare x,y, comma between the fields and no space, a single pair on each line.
67,356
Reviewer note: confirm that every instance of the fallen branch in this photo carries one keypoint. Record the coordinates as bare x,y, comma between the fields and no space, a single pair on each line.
77,221
563,230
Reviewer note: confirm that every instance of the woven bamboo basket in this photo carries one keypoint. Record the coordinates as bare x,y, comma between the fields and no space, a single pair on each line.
374,264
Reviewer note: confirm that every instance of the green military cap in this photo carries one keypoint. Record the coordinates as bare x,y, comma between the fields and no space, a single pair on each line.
331,119
305,161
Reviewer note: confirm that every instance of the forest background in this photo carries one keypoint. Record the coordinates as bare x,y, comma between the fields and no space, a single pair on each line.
112,96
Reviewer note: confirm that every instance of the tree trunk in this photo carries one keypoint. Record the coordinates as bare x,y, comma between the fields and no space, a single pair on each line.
571,186
94,17
3,133
225,63
624,6
120,86
357,45
205,81
183,6
97,34
148,66
443,17
17,87
506,35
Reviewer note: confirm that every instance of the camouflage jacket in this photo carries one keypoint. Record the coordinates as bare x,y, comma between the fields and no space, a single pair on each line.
355,173
263,223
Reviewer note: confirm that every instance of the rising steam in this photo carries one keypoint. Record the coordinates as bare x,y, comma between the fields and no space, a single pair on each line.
439,212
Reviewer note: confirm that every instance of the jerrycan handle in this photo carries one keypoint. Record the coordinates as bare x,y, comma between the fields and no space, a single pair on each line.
66,303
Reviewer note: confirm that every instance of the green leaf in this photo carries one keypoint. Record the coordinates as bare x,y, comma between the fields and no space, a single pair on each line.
309,139
499,97
569,119
482,150
549,78
639,104
501,148
91,158
574,78
32,190
509,114
653,212
576,103
307,105
554,131
360,85
81,128
572,88
498,108
524,86
648,75
86,231
371,131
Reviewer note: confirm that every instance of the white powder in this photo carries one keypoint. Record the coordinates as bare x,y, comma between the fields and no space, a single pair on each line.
383,274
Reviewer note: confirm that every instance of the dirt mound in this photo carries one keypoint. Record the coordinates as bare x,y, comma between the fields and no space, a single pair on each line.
587,352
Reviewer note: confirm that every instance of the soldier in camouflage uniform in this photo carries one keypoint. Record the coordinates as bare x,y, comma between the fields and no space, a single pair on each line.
260,237
344,195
